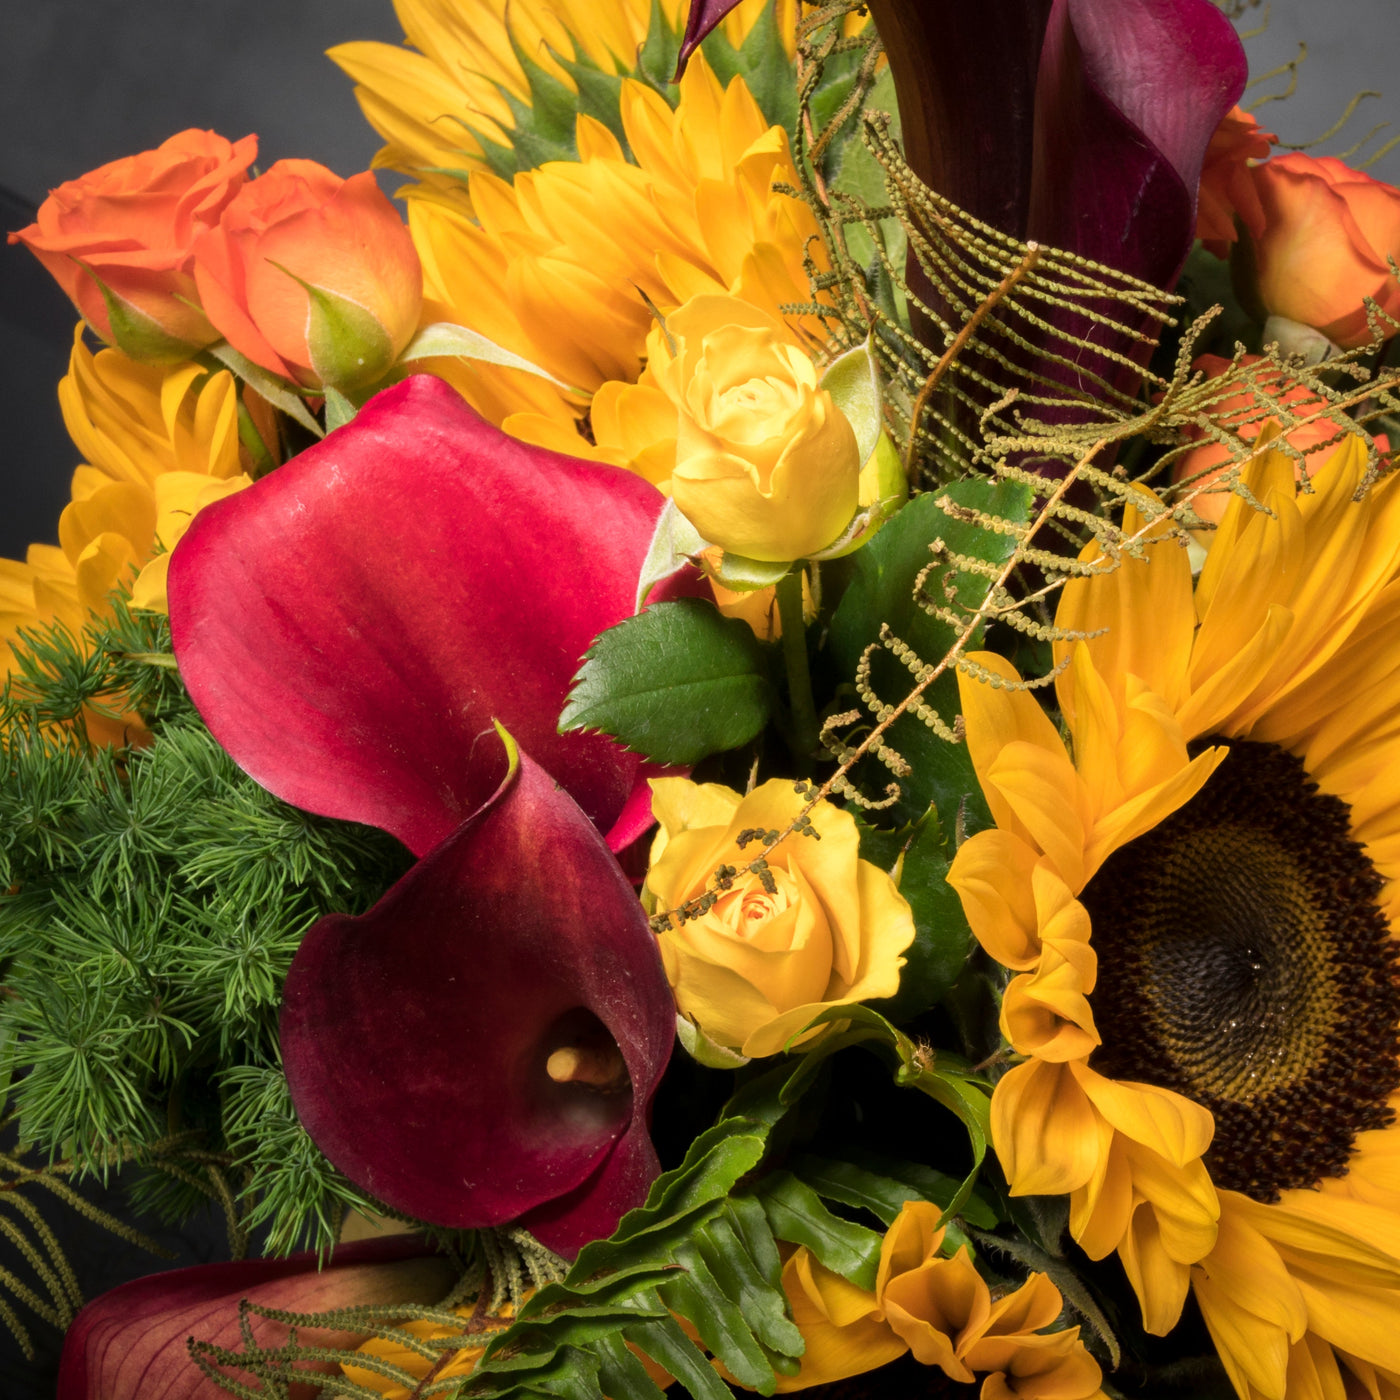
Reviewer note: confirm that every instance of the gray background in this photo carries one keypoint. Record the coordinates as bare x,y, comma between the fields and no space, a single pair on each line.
86,81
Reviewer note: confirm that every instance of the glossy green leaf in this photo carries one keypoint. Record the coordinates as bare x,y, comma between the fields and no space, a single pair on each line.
882,590
676,682
797,1215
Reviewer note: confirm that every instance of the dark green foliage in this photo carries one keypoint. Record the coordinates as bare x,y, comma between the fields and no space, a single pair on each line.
153,900
942,939
706,1245
883,591
677,682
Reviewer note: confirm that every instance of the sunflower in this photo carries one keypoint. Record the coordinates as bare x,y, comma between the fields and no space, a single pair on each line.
1198,896
160,443
582,255
459,70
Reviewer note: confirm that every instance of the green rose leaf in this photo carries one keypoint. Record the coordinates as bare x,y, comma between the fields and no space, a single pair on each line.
675,683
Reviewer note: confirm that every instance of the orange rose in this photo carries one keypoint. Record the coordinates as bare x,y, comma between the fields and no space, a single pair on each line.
1245,413
312,277
1227,190
1326,232
130,227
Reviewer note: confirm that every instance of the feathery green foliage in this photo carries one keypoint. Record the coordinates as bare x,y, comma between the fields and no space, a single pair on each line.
155,896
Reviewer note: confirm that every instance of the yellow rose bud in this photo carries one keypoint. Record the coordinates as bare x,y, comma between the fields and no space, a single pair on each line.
828,930
766,465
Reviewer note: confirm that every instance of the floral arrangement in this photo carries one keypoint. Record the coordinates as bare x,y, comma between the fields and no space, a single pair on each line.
754,752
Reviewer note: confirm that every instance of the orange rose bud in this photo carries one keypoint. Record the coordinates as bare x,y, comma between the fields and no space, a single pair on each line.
120,239
1327,230
1227,189
312,277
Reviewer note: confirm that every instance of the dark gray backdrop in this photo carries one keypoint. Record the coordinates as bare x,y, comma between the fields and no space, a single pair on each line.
86,81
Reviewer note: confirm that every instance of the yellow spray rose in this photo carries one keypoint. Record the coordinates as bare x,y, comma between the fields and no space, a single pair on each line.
766,465
754,969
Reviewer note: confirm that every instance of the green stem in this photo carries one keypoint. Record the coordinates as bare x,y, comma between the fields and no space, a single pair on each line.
804,714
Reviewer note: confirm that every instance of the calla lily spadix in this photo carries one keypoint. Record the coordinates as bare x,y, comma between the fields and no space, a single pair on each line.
483,1045
501,1022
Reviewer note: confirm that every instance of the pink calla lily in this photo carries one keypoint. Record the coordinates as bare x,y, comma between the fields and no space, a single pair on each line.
133,1343
350,630
351,627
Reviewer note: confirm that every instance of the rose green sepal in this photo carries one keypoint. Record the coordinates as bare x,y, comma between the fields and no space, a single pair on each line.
274,389
339,409
853,381
675,543
885,489
705,1051
349,346
444,340
137,335
746,575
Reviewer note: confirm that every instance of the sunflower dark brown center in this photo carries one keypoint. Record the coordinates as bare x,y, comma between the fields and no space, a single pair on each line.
1245,963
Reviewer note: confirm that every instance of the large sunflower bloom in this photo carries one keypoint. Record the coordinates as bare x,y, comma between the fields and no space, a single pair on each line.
459,67
1200,903
574,251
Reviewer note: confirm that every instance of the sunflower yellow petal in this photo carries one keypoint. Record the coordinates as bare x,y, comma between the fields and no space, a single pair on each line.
1044,1129
992,873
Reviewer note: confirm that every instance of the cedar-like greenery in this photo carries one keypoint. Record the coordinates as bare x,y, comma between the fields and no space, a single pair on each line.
154,897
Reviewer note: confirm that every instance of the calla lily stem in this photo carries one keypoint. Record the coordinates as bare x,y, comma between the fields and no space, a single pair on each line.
803,735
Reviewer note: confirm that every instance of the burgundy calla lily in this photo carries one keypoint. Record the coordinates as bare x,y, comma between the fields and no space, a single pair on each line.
1080,123
483,1045
133,1342
479,1046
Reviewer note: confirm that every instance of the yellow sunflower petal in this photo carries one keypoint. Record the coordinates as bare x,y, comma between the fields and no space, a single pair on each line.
1044,1129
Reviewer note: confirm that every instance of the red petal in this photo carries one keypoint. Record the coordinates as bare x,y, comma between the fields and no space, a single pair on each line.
132,1343
351,625
415,1037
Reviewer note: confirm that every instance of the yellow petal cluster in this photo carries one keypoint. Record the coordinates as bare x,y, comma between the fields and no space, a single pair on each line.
430,97
1286,638
559,264
826,929
159,443
942,1310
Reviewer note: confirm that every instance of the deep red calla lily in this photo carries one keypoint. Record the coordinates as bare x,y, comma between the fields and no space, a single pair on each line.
351,626
416,1037
132,1343
1080,123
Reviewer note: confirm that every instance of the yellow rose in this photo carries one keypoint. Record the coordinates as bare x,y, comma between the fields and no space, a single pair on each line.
761,963
766,465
